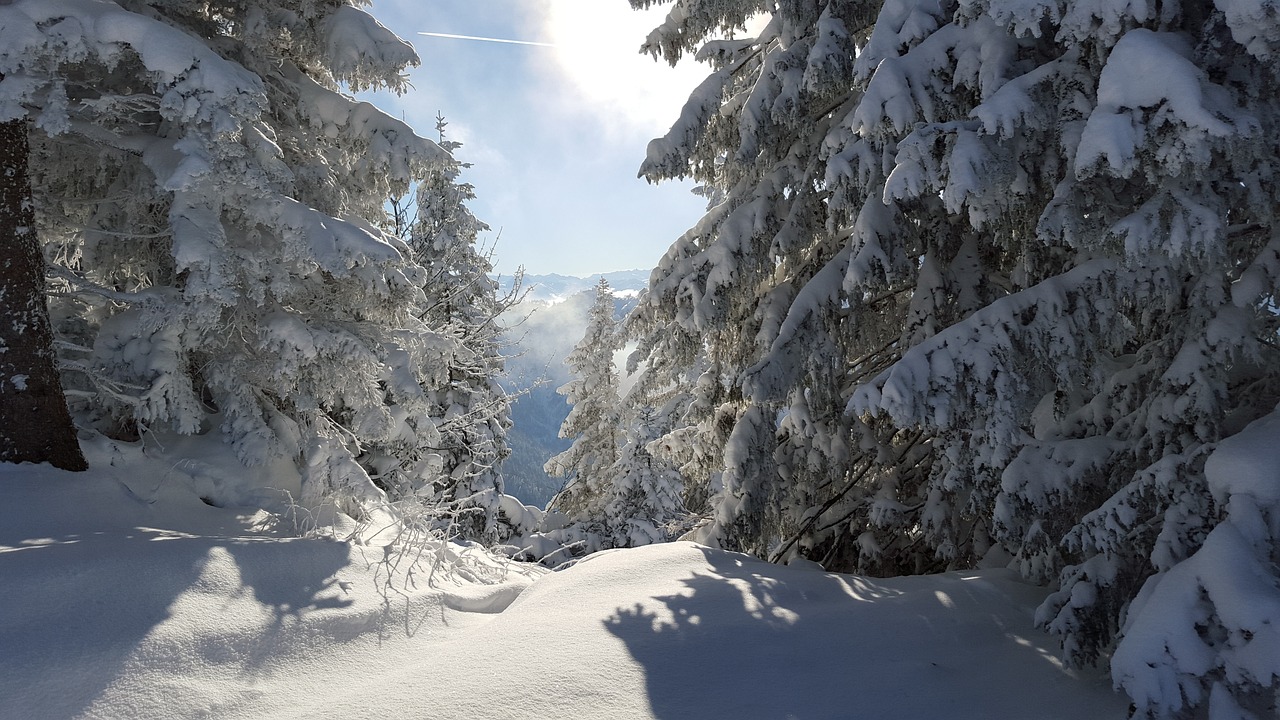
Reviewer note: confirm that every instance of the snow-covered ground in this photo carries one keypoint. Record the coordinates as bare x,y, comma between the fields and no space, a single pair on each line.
127,596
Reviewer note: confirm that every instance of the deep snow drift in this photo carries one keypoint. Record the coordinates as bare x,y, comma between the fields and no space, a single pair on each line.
126,596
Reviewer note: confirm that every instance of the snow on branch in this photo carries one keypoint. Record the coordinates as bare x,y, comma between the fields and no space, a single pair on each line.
335,246
363,53
980,354
668,156
391,153
1208,628
1148,83
197,84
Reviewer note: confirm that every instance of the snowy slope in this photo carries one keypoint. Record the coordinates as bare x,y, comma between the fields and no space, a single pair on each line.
149,603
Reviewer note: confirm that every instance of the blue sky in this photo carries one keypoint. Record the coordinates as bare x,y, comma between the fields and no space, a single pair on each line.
555,134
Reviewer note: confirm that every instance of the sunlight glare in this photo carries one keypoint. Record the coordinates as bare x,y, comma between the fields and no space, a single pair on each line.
597,50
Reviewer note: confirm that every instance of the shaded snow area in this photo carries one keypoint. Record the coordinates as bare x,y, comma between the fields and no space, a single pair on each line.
127,596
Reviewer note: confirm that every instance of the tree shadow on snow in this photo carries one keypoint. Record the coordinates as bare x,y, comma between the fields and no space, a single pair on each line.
86,607
751,640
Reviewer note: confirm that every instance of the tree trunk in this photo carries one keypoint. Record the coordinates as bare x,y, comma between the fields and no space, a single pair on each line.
35,425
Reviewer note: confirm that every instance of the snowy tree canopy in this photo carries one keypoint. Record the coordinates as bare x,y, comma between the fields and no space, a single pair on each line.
986,273
213,206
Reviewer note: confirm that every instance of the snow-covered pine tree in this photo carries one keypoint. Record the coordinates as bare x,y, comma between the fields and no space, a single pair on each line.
724,292
210,200
996,272
621,489
471,410
593,421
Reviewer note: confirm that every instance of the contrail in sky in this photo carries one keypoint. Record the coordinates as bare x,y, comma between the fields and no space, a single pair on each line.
488,39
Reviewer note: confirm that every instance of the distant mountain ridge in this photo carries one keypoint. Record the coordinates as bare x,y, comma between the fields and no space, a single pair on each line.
555,288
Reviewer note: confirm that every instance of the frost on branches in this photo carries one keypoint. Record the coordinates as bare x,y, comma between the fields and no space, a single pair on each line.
989,273
212,204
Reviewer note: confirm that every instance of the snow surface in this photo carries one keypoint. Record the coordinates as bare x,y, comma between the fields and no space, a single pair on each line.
127,596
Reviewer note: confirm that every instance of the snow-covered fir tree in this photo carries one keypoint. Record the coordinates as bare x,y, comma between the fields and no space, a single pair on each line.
593,421
212,205
471,411
676,377
993,273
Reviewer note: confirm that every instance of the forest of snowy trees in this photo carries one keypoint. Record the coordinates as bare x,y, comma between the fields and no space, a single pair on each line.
987,279
980,281
213,208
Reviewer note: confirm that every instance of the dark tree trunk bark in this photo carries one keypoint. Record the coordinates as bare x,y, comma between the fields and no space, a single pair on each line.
35,425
